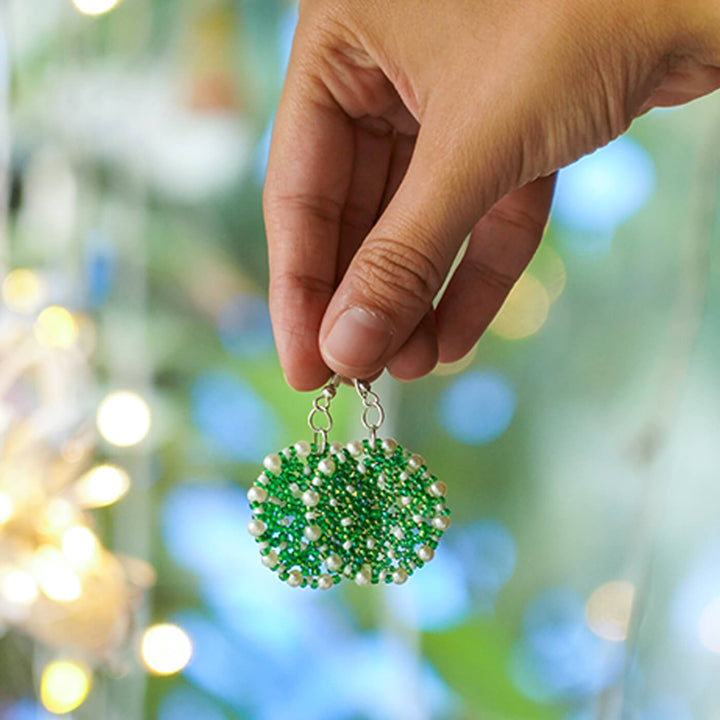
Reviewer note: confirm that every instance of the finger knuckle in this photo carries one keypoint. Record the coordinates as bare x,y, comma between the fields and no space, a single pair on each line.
396,275
491,276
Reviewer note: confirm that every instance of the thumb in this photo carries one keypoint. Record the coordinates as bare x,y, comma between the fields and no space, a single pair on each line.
390,285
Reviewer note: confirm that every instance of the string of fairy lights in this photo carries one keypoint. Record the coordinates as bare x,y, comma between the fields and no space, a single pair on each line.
58,582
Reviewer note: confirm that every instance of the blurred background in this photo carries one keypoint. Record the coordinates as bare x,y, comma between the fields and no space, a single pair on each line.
140,390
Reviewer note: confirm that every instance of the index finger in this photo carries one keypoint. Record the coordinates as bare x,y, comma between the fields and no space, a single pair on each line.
308,178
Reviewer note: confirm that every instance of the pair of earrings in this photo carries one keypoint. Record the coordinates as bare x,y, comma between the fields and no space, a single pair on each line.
369,511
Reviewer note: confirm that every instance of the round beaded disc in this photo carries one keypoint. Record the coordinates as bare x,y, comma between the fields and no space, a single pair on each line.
370,513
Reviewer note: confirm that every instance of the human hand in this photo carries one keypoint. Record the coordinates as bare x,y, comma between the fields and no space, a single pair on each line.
405,125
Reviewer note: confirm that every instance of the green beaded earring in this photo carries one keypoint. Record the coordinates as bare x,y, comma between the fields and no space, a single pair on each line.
369,511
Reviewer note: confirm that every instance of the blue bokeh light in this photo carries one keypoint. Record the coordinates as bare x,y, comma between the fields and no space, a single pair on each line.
437,597
244,326
478,407
182,703
232,417
26,709
100,268
558,656
699,587
600,191
488,550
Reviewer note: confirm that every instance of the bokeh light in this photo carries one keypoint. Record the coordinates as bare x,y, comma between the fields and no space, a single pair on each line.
102,485
123,418
64,686
166,649
244,326
23,290
488,551
558,657
7,507
56,579
95,7
18,586
80,546
437,597
56,327
232,417
604,189
478,407
524,311
609,609
709,626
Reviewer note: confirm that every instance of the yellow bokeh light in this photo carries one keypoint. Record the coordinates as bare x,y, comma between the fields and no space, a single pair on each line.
166,649
64,686
123,418
95,7
59,515
525,310
56,327
56,579
458,366
19,587
709,626
23,290
7,507
548,267
609,609
103,485
80,546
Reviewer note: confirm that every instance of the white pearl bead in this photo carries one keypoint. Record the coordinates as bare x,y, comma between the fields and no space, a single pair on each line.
441,522
405,500
347,545
256,528
326,466
398,533
272,463
295,578
416,462
333,562
389,446
317,481
399,576
302,448
370,543
310,498
261,479
335,448
313,532
346,522
364,577
438,488
257,494
355,448
425,553
325,582
285,452
270,560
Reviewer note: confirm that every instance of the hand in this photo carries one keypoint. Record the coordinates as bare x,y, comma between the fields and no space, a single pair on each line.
405,125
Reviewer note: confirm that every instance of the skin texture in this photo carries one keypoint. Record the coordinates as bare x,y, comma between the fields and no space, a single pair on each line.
406,126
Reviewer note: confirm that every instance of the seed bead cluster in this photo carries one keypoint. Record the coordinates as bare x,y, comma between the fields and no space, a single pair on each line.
369,512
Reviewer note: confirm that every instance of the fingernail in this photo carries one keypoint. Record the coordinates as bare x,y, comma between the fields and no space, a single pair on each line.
358,339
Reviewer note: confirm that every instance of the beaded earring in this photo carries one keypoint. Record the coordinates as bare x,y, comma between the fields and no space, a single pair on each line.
369,511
